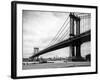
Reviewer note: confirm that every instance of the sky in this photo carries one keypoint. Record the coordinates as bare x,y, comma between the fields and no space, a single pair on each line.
39,28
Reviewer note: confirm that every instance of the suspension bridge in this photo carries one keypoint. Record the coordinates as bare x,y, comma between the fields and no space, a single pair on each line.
73,33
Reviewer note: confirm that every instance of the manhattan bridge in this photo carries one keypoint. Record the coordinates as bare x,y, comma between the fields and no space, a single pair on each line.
75,31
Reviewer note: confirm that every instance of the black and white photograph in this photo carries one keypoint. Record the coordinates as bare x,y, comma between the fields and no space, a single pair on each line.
56,39
53,39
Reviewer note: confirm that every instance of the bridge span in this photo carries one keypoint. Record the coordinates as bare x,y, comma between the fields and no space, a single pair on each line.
84,37
74,37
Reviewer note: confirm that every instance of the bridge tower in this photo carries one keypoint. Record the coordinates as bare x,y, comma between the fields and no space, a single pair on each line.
75,47
78,45
36,50
72,54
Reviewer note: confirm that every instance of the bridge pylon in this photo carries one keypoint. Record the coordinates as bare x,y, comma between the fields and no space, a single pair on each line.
36,50
75,48
72,54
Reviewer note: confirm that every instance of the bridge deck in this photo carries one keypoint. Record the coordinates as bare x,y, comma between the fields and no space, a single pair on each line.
83,37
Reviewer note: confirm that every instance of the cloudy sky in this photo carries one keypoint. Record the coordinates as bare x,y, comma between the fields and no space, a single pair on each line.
39,28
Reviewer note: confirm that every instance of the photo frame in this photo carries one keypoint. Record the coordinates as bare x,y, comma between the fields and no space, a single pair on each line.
35,49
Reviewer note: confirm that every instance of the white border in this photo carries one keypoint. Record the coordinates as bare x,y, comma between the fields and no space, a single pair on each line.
34,72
